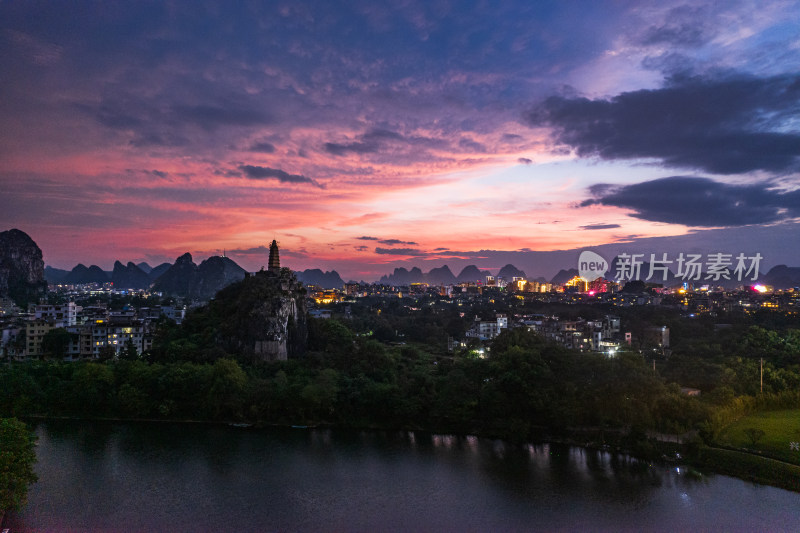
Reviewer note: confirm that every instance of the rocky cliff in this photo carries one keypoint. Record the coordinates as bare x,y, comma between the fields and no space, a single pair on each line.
263,317
21,268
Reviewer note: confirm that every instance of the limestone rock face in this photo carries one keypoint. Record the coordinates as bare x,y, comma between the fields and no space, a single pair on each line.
21,267
263,317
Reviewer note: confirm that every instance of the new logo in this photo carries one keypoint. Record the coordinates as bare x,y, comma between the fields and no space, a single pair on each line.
591,266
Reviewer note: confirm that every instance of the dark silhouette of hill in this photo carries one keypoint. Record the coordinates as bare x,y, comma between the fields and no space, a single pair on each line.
82,274
441,276
564,276
401,276
509,272
187,280
214,274
54,275
178,279
472,274
781,277
156,272
129,276
315,276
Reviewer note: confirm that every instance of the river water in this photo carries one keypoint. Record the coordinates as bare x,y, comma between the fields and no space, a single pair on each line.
181,477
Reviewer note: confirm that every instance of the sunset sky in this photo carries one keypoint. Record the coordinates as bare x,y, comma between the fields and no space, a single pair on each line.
365,137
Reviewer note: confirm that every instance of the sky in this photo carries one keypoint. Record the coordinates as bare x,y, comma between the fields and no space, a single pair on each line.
365,137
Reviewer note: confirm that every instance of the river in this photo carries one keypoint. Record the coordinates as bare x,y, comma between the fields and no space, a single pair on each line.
103,476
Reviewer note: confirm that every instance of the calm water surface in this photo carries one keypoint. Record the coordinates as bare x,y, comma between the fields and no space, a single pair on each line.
172,477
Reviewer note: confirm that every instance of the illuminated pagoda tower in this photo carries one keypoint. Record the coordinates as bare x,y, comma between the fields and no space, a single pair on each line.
274,258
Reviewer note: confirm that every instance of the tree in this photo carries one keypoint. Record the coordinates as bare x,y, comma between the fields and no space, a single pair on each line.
227,387
56,342
129,352
754,434
17,457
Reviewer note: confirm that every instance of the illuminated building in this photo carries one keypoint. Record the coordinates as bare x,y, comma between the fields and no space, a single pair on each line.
326,297
577,282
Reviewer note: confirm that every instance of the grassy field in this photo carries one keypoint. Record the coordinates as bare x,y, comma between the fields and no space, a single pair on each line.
780,429
751,467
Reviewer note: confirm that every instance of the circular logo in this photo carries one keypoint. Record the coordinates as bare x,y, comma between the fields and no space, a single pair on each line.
591,266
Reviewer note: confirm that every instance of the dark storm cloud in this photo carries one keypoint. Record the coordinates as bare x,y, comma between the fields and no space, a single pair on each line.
394,242
367,143
211,116
699,202
472,146
399,251
256,172
262,147
601,226
377,140
256,250
377,135
684,26
724,125
144,140
112,118
387,242
355,148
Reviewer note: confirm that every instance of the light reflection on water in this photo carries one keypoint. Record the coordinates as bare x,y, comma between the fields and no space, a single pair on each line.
166,477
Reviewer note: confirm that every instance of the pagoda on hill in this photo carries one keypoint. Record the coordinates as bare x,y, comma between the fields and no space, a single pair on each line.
274,258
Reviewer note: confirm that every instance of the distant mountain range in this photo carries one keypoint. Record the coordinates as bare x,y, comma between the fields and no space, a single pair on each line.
129,276
187,279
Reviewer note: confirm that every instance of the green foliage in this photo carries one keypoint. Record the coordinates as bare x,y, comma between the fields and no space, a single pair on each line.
17,457
56,342
754,435
769,432
526,386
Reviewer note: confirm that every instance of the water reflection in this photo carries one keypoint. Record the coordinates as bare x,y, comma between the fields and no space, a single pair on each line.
157,477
